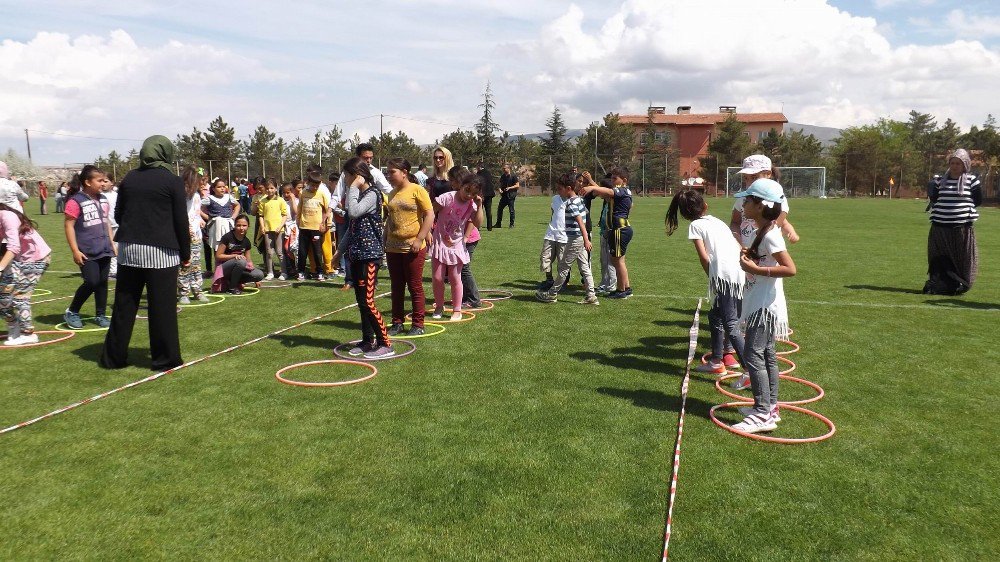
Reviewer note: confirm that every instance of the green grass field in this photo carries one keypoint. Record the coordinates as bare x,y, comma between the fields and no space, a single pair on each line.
535,431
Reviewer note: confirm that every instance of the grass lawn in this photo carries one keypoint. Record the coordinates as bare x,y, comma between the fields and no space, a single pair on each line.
533,432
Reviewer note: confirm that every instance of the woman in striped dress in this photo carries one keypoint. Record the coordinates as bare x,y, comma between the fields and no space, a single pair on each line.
952,255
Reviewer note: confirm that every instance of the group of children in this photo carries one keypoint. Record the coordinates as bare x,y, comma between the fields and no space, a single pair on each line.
745,261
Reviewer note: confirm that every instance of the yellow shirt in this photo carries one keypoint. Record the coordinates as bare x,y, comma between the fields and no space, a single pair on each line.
406,209
273,212
313,205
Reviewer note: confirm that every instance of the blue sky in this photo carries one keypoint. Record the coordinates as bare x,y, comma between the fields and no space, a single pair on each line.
117,70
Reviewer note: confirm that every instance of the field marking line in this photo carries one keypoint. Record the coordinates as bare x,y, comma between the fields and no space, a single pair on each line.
692,345
155,376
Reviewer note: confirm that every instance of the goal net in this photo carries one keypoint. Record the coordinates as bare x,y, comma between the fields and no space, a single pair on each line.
797,181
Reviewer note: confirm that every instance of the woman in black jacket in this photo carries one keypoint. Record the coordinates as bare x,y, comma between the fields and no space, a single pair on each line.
153,240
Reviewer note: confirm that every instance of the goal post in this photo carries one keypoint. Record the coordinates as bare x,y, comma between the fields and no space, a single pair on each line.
798,181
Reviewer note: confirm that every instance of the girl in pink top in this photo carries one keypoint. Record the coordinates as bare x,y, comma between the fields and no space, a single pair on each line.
23,259
456,213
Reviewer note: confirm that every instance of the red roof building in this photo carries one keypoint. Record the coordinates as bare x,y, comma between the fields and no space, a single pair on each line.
690,133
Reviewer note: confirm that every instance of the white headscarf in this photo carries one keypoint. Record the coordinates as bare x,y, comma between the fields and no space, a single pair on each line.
962,155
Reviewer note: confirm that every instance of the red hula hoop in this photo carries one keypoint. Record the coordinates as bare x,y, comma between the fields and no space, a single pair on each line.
768,438
68,335
819,390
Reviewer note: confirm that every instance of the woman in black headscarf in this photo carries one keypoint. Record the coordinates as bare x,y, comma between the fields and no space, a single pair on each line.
952,254
153,240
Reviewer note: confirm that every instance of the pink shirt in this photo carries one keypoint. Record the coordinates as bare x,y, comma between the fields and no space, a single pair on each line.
27,247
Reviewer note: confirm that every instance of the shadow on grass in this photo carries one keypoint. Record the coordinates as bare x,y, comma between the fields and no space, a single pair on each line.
345,324
137,356
884,289
659,401
297,341
689,312
959,303
686,324
526,284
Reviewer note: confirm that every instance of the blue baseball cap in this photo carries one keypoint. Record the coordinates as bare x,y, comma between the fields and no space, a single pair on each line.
767,190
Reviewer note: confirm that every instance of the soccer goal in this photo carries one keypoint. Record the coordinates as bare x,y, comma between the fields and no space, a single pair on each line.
798,181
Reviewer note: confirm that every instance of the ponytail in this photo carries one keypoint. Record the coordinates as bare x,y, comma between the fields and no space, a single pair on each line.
86,174
770,214
691,205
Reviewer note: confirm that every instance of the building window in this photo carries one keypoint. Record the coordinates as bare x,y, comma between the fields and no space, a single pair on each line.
642,139
761,135
660,137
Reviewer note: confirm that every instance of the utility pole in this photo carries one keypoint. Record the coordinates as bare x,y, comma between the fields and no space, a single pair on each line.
27,139
381,131
597,127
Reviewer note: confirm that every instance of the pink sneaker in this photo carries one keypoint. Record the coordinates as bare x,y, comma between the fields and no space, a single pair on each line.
730,361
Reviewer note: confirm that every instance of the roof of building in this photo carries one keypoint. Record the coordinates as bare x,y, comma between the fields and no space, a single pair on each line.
702,118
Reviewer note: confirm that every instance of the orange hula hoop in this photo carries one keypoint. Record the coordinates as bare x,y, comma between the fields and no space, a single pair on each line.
372,368
768,438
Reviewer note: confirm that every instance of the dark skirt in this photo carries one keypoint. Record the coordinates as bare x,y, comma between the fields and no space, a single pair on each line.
952,259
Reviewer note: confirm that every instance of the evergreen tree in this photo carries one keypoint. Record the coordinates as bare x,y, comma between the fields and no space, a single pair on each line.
728,148
555,144
220,142
487,129
190,148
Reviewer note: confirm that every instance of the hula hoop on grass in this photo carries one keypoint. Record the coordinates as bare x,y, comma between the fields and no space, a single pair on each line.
275,284
768,438
795,347
372,368
39,293
704,358
65,327
504,294
219,298
247,292
466,316
68,335
344,346
819,390
424,335
783,359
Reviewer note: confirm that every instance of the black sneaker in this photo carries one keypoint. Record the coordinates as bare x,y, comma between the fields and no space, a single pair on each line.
628,292
395,329
546,285
415,331
235,291
617,295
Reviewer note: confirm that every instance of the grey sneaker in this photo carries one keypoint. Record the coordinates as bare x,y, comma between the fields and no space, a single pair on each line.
415,331
13,330
395,329
592,299
72,320
103,321
381,352
361,349
184,300
546,297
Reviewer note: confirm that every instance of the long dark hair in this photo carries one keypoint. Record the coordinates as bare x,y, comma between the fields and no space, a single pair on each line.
770,214
358,167
26,223
86,174
404,165
191,183
691,205
457,174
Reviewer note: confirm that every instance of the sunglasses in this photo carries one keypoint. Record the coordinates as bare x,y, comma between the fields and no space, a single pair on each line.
439,157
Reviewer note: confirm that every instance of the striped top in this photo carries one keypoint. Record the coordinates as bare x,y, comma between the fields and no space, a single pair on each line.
949,208
574,208
147,257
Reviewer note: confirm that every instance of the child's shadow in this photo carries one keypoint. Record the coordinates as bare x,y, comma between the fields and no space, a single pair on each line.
526,284
299,340
657,400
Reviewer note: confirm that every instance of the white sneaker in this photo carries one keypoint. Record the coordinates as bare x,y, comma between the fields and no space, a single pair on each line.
742,382
320,277
282,277
456,317
24,339
437,314
13,330
756,423
748,410
302,277
714,368
269,277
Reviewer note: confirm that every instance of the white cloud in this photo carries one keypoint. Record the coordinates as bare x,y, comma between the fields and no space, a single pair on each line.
826,66
979,26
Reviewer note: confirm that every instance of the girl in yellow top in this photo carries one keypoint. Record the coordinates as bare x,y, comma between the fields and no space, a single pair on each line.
409,221
272,212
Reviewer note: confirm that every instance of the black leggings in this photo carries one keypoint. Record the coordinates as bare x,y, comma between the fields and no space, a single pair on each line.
95,282
311,240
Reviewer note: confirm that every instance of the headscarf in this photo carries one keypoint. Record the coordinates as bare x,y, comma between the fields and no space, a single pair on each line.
157,152
962,155
4,171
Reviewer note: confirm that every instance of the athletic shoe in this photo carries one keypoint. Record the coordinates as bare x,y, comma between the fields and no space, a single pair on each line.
741,383
235,291
339,273
23,339
203,298
103,321
381,352
472,304
437,314
628,292
347,286
302,277
415,331
269,277
546,297
320,277
13,330
456,316
546,285
282,277
72,320
592,299
395,329
361,349
618,295
755,423
730,361
714,368
184,300
602,290
748,410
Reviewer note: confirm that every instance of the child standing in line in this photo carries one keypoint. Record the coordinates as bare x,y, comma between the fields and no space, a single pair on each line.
720,258
272,214
618,229
24,257
88,232
313,215
189,278
218,210
470,290
764,314
108,202
577,246
554,242
290,230
454,211
364,246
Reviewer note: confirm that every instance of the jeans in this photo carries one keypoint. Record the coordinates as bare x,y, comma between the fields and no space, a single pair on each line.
311,240
505,201
345,264
723,321
95,282
609,277
761,363
470,291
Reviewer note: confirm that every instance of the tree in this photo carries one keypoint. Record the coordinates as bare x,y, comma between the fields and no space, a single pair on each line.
615,143
555,143
463,146
728,148
799,149
486,130
329,147
190,148
114,165
220,142
399,145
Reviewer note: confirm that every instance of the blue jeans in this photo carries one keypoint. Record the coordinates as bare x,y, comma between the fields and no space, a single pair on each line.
345,264
761,363
724,321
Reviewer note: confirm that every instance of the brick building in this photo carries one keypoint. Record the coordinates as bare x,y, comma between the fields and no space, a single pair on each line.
690,133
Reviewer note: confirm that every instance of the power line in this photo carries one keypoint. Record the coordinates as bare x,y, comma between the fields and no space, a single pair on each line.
327,125
80,136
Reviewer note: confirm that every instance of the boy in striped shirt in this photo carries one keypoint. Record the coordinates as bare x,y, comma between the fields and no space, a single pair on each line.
577,246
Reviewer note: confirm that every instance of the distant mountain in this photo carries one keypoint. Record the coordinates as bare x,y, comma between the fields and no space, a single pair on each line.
826,135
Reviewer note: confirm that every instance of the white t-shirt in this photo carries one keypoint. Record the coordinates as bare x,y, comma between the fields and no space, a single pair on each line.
748,228
194,215
557,226
764,297
112,198
724,273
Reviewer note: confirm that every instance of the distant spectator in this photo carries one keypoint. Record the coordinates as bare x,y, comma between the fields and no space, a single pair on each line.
43,198
508,193
421,174
952,253
489,192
